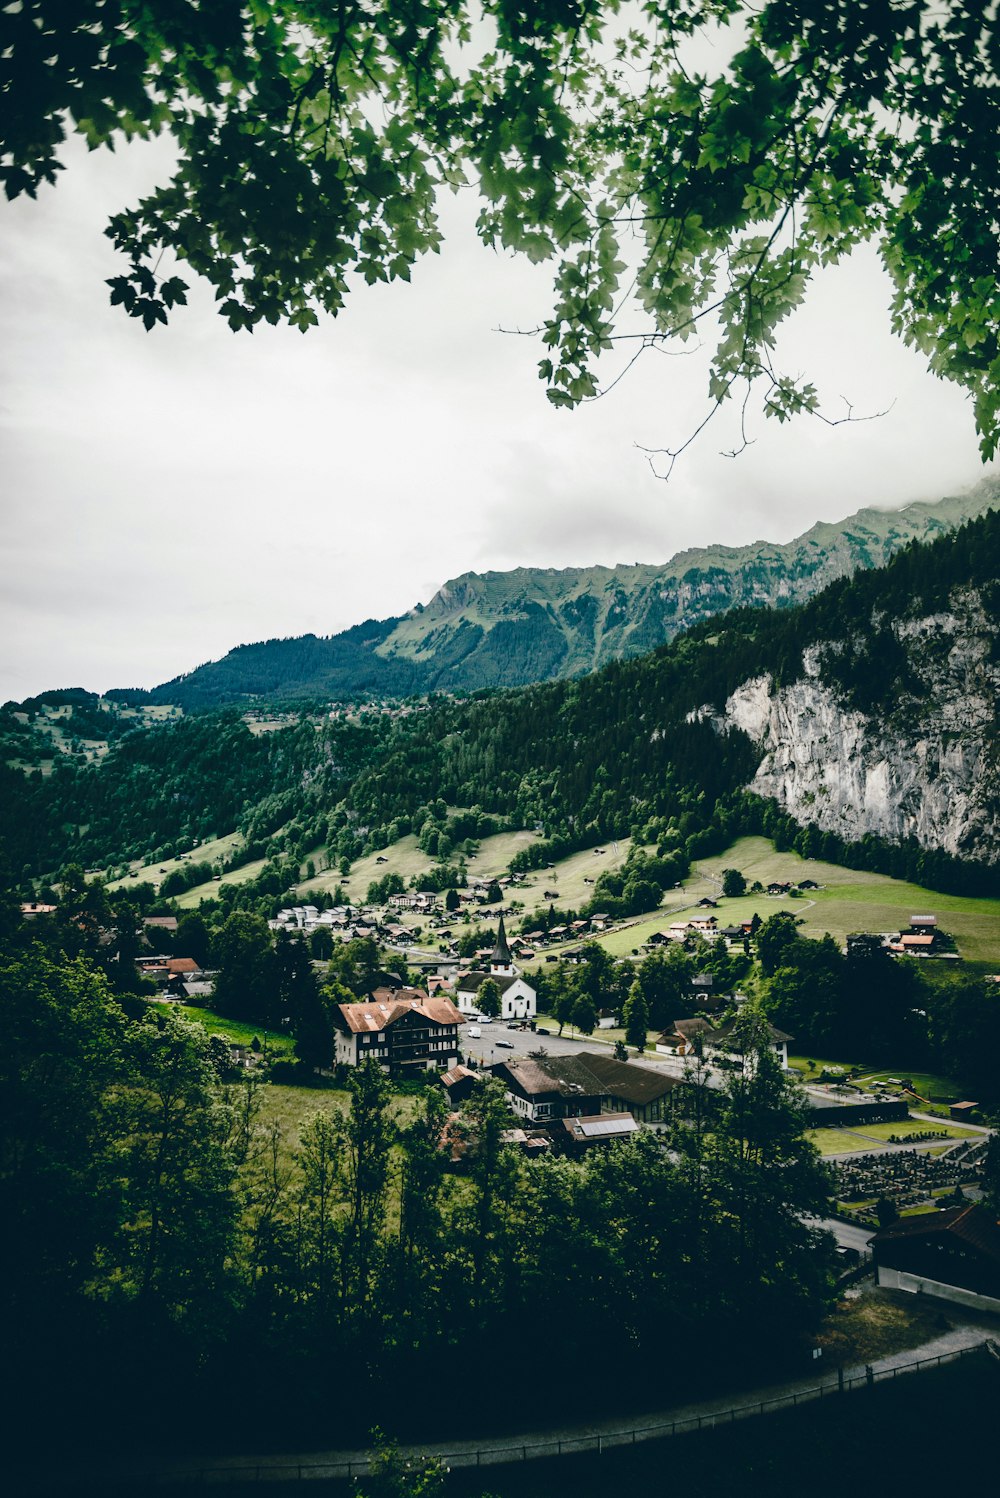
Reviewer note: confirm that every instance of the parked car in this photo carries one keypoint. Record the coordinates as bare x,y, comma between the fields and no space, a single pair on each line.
505,1045
541,1030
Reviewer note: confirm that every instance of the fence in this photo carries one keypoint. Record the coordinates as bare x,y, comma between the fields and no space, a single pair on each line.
860,1271
524,1451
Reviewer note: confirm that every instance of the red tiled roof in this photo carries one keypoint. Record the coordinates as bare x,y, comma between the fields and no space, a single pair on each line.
377,1013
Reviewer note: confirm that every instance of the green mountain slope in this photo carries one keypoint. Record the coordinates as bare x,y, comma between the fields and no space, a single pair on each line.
540,624
508,628
863,718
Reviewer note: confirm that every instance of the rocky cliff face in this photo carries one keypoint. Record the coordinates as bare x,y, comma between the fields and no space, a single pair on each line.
929,769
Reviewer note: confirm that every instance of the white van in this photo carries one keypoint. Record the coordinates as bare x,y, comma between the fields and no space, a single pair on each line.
474,1032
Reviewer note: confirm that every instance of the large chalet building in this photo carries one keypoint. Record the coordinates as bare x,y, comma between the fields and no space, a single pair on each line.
402,1029
543,1088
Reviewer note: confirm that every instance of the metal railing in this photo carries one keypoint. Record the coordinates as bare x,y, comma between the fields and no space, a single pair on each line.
524,1451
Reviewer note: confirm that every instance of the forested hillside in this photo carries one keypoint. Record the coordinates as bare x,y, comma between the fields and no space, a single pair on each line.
641,746
344,665
501,629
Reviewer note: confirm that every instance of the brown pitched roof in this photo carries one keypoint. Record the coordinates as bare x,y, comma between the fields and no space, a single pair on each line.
457,1074
183,965
689,1029
972,1224
566,1076
625,1079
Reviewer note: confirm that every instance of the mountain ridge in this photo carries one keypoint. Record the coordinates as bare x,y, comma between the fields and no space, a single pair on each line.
864,719
526,624
665,598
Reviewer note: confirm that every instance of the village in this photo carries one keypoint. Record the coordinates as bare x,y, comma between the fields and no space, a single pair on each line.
908,1178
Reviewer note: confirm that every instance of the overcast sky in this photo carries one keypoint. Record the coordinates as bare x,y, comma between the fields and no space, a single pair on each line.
170,495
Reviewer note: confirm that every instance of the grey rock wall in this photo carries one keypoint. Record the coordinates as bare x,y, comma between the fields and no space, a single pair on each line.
930,770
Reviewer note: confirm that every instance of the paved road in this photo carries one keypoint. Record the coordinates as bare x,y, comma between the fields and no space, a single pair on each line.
486,1050
846,1234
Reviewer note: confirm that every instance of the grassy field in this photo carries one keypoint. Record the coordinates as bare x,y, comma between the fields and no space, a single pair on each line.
848,901
192,898
877,1325
154,873
834,1141
568,877
840,1141
820,1064
403,858
925,1083
904,1130
495,853
292,1108
852,901
490,862
236,1030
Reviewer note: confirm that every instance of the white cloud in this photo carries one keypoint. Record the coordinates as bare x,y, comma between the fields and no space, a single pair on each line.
170,495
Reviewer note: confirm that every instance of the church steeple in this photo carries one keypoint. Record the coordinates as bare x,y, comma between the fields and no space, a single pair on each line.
501,962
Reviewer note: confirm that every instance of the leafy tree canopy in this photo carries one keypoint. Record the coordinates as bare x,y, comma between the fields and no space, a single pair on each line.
684,165
489,999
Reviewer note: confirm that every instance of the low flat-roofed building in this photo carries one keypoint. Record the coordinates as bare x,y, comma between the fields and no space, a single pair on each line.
576,1135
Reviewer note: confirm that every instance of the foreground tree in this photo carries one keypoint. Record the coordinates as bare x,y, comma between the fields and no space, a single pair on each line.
64,1047
368,1138
635,1017
174,1172
765,1177
489,999
715,155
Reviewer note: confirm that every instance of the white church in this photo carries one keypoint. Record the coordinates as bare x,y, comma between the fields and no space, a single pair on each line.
517,998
